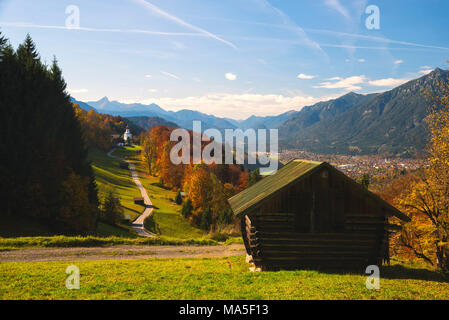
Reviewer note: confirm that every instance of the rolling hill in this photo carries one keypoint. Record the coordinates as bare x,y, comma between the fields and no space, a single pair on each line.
150,122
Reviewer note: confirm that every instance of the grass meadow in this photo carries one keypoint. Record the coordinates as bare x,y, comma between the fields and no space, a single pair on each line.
209,278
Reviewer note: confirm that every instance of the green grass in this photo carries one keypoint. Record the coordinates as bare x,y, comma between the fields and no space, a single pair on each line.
92,241
208,278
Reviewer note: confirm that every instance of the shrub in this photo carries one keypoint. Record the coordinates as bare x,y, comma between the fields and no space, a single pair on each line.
219,236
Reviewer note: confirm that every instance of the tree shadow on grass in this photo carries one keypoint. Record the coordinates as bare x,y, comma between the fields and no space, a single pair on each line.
398,271
392,272
130,209
160,185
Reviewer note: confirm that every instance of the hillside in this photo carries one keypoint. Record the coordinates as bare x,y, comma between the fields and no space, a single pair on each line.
150,122
388,123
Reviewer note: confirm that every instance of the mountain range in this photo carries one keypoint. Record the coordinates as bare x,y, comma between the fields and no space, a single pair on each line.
392,122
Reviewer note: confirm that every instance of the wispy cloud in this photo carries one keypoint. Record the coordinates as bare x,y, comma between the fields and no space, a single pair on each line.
181,22
288,23
305,76
372,38
171,75
148,76
336,5
361,60
399,62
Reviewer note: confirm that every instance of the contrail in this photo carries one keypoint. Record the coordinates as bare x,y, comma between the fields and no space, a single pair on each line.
157,33
181,22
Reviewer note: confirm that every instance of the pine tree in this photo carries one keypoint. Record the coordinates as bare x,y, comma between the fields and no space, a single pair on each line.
187,208
178,198
43,151
206,219
365,181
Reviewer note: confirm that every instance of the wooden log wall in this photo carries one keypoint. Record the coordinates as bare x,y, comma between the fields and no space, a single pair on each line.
349,231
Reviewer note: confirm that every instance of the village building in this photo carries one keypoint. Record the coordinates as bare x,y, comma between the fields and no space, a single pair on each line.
309,215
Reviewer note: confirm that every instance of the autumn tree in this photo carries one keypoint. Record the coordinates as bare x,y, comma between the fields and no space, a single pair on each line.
426,196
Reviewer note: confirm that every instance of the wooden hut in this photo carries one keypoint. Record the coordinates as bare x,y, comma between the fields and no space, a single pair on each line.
310,215
140,201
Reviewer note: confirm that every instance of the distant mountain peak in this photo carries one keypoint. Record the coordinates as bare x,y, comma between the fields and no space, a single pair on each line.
104,99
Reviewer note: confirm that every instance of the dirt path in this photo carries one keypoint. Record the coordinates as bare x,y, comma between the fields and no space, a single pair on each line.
119,253
137,225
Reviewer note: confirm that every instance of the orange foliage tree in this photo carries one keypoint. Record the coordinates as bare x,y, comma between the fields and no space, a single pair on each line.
425,196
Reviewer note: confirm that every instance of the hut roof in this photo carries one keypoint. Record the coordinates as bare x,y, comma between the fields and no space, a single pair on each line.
292,172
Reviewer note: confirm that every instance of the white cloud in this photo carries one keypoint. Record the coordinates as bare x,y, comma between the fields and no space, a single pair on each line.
399,61
334,79
230,76
426,71
171,75
152,90
75,91
336,5
350,83
361,60
243,105
305,76
181,22
196,79
389,82
148,76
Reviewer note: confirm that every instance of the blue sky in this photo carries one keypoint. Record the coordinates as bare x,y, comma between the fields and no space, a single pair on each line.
232,58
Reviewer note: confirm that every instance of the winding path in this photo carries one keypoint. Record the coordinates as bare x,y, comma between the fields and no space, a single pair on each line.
137,225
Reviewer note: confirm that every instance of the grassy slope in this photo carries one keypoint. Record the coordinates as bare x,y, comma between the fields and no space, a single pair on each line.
208,278
108,173
166,214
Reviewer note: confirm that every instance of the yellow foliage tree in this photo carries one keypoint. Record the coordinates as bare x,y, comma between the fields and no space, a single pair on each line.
426,198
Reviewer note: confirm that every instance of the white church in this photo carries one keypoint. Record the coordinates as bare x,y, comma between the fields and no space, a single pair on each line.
127,136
